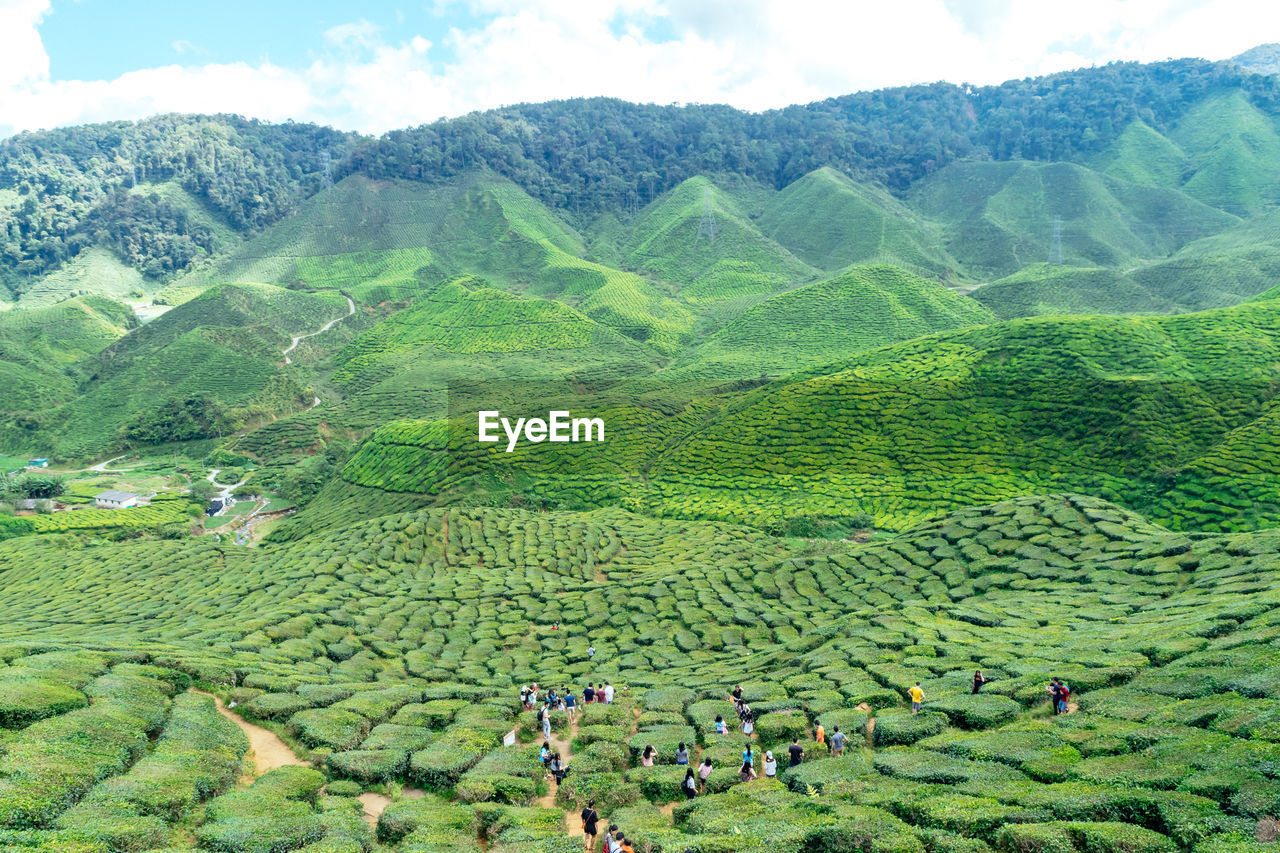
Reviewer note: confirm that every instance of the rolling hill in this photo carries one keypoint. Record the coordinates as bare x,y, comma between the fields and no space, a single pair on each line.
727,258
1001,217
831,222
861,309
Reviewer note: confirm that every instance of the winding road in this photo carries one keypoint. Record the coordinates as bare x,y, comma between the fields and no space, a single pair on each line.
351,309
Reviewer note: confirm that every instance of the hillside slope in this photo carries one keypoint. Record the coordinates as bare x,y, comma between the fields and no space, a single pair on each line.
831,222
861,309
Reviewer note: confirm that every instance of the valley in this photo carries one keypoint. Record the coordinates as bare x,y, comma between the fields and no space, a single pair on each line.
890,389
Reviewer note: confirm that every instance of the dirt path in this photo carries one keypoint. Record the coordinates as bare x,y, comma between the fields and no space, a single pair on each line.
562,745
266,750
351,309
374,805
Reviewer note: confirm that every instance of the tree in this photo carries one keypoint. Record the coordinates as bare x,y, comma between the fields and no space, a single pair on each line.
38,485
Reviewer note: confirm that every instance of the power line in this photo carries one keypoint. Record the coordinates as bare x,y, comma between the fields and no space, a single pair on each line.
707,228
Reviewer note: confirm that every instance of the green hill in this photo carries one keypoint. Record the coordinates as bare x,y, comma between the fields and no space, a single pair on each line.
38,345
1001,217
1056,289
223,349
1235,151
984,414
830,221
388,240
736,260
861,309
1143,156
93,271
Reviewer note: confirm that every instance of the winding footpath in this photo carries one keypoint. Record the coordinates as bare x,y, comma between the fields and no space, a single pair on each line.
351,309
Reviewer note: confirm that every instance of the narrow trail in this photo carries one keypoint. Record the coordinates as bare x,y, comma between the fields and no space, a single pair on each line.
266,750
563,745
351,309
101,467
373,807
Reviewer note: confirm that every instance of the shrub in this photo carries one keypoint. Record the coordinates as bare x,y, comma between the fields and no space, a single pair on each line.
899,726
343,788
977,712
369,765
781,727
329,727
456,751
275,706
1085,837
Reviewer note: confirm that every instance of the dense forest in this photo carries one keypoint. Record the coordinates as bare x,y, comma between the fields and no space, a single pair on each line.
592,155
60,190
63,190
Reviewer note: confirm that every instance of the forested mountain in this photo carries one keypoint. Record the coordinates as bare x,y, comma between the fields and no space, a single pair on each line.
64,190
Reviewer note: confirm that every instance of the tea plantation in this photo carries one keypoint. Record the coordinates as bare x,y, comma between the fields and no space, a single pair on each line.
389,653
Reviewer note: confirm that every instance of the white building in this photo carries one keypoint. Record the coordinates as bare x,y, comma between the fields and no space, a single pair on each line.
118,500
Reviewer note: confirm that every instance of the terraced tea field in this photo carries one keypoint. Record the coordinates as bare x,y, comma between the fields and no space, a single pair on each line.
392,650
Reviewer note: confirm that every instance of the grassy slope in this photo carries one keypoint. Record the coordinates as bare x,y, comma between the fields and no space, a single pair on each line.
1143,156
386,241
830,221
37,345
861,309
95,270
1000,216
1235,152
1166,640
976,415
1056,289
226,343
740,260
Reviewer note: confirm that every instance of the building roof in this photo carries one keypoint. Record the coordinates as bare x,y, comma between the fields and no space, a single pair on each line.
25,503
113,495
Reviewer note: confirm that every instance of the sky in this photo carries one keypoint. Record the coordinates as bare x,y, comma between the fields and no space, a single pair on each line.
378,65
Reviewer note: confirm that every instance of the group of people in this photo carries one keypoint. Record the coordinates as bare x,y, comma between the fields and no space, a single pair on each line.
565,701
1059,695
614,839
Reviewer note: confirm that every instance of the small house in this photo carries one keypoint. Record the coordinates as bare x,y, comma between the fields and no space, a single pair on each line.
37,463
113,499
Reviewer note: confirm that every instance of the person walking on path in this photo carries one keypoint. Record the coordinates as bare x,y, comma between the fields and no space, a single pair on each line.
591,652
917,698
770,765
544,754
590,817
797,753
646,757
1055,693
722,728
589,694
682,755
1064,696
690,785
837,741
749,754
747,773
978,680
748,721
524,696
544,718
737,696
608,693
704,771
570,704
820,734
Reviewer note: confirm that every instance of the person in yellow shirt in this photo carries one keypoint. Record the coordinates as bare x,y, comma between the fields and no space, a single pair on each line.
917,698
820,735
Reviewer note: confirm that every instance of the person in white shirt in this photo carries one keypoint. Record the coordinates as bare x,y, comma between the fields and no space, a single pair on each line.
608,693
770,766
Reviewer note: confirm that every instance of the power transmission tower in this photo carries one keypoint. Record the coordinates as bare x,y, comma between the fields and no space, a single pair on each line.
1055,248
707,228
326,180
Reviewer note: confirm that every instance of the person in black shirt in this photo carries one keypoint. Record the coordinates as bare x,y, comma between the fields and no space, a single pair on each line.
590,817
978,680
797,753
589,695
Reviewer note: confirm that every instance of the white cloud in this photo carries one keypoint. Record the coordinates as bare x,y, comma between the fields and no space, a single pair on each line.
754,54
